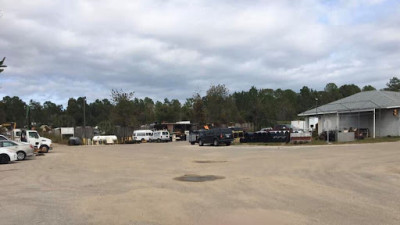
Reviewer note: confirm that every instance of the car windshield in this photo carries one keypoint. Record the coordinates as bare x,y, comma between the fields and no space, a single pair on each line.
33,135
7,144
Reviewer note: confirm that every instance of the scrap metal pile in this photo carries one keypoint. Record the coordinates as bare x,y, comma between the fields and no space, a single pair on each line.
266,136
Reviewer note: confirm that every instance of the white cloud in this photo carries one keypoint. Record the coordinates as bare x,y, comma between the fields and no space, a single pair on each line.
173,48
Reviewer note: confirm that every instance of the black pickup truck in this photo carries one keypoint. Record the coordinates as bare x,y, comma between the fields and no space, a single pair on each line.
215,136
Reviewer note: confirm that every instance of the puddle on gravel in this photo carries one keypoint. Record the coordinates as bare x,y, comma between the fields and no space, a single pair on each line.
8,170
198,178
209,161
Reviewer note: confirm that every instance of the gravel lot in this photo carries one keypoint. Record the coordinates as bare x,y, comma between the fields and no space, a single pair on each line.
134,184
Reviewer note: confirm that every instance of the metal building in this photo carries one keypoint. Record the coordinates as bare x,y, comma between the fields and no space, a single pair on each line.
376,111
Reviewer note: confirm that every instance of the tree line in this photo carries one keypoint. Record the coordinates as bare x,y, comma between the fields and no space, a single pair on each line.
261,107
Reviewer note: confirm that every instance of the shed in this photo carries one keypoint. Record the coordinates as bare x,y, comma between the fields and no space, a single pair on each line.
372,110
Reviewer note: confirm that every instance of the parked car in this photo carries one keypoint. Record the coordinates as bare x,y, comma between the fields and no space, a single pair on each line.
74,141
2,138
7,155
216,136
267,129
160,135
142,135
23,150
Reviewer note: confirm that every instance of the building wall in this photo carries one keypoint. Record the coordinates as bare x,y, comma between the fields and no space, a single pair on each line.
298,124
327,122
386,123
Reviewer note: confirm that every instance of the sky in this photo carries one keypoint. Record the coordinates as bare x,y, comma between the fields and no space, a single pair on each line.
59,49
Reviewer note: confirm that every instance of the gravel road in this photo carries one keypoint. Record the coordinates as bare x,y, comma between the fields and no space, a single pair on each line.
136,184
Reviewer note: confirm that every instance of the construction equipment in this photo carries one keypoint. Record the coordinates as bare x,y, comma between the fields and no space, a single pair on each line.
7,129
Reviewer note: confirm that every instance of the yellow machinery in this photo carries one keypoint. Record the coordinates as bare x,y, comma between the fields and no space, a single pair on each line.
8,128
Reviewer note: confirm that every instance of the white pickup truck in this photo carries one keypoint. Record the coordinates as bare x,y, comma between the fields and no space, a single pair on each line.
32,137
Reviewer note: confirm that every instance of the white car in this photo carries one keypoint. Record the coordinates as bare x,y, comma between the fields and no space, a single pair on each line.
2,137
160,135
7,155
22,150
142,135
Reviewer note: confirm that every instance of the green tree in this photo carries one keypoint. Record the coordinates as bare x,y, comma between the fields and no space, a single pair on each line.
63,120
2,112
254,106
50,112
216,102
331,93
15,110
106,127
187,109
2,64
124,109
368,88
75,110
393,85
348,89
98,111
149,115
286,104
169,111
174,110
36,113
199,110
306,99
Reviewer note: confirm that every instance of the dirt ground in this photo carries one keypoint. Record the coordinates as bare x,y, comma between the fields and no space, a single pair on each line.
135,184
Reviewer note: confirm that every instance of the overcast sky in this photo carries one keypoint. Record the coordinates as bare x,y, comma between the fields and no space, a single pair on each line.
58,49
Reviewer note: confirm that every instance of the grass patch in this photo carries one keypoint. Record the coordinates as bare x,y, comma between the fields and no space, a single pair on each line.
265,143
378,140
320,142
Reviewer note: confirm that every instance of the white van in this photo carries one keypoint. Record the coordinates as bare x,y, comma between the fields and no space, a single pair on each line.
160,135
142,135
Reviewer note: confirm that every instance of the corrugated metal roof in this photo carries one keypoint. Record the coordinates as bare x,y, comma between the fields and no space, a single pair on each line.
363,101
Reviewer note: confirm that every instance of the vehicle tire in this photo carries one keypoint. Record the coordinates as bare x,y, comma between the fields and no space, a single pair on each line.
21,155
159,140
44,149
192,143
215,143
201,143
228,143
4,159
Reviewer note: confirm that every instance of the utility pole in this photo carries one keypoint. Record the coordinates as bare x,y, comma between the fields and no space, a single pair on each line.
84,119
316,113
